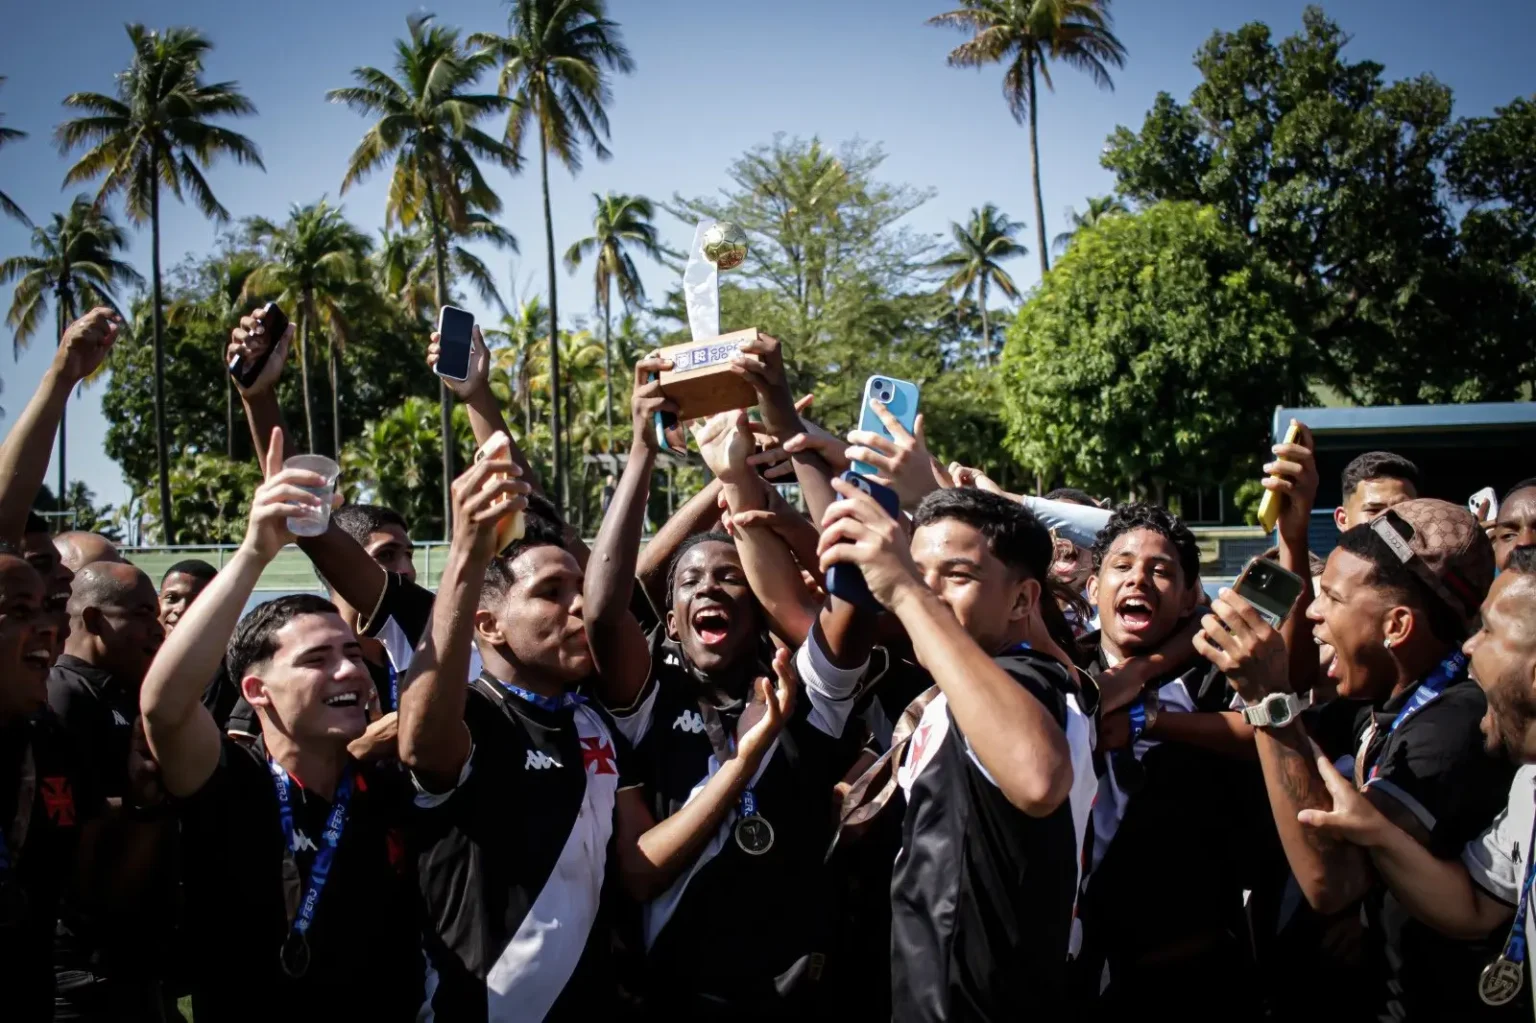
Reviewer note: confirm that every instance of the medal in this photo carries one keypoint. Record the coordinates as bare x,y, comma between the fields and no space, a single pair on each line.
294,956
1501,981
13,902
754,834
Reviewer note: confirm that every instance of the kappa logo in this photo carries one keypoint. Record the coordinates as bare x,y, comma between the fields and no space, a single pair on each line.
302,842
538,760
689,721
119,720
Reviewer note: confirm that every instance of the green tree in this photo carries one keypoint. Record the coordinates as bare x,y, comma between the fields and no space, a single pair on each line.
316,266
76,266
1027,35
974,263
1099,208
1163,317
426,126
82,510
157,132
213,308
212,495
1334,176
391,462
555,61
618,220
515,344
7,204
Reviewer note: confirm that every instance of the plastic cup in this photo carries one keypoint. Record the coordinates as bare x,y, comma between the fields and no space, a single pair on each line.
317,522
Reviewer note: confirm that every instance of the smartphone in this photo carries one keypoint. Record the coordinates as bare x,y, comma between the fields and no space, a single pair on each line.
671,435
274,324
1476,501
508,527
1271,590
846,581
899,398
1269,505
454,343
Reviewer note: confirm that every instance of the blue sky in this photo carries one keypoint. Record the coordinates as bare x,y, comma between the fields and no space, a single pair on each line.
837,69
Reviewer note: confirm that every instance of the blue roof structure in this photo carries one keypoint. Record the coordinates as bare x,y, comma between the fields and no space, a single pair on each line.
1386,419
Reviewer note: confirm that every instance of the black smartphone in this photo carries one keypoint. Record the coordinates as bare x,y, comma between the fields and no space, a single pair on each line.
274,324
846,581
1271,590
671,435
454,342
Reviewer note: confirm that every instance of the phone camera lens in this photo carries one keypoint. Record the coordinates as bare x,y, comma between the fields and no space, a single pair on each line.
879,387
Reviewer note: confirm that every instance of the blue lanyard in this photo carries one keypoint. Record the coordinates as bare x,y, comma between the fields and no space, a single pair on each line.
1450,671
325,854
1514,948
549,703
394,683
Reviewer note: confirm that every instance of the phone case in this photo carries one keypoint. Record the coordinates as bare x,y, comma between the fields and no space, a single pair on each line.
274,324
1274,600
1269,504
470,341
509,528
846,581
900,401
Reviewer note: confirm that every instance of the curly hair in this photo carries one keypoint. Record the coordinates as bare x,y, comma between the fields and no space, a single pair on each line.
1139,515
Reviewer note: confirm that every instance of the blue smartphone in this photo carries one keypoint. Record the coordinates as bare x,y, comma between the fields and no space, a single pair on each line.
899,398
846,581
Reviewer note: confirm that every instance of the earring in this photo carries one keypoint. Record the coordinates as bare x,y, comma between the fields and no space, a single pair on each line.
1387,643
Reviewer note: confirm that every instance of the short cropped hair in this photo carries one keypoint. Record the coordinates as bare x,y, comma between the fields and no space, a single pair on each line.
713,536
255,638
1379,465
197,568
1389,572
1016,537
1072,495
360,521
538,531
1527,484
1139,515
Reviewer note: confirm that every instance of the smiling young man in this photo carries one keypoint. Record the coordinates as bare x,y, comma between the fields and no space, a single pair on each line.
1395,602
681,690
1372,483
300,900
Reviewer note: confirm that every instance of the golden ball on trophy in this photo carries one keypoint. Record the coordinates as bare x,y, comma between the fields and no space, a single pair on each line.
725,245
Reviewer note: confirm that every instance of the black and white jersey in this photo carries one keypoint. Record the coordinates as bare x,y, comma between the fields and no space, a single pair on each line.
982,894
776,948
98,711
399,621
513,862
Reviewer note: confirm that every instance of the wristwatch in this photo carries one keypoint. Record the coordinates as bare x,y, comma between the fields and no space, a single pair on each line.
1277,709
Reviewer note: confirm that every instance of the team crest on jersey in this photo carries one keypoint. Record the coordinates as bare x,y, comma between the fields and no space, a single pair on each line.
596,750
538,760
929,735
59,800
690,721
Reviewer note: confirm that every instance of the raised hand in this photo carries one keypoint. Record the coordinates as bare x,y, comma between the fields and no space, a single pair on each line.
1295,481
857,531
726,443
479,374
482,495
1352,818
1251,653
281,496
965,476
85,344
646,400
761,363
764,719
248,341
380,741
904,462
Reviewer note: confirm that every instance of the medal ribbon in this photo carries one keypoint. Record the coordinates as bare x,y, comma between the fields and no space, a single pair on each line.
1450,671
16,836
325,854
548,703
394,683
1515,946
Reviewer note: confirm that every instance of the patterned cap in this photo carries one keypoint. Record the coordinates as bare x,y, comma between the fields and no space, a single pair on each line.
1443,545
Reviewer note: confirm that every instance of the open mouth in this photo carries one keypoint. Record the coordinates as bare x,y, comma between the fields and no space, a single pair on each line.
712,625
1134,614
40,659
1327,656
351,699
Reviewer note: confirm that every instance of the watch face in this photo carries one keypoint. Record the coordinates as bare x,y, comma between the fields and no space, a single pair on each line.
1279,710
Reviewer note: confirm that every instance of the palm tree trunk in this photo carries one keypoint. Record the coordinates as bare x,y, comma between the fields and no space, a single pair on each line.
1034,161
62,319
608,363
229,418
309,417
557,485
445,411
986,324
157,324
335,407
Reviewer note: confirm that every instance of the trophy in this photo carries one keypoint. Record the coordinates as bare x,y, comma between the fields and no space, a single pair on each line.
700,380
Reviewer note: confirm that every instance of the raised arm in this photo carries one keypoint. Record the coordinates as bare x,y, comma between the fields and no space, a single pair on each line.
181,733
1295,480
29,445
434,741
1011,733
652,856
620,651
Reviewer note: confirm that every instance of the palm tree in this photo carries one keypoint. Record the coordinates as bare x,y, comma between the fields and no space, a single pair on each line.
426,125
221,299
1027,35
156,133
7,205
1100,208
553,62
619,219
315,267
521,334
973,264
77,264
407,260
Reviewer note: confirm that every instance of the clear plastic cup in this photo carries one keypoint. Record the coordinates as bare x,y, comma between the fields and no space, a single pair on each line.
315,523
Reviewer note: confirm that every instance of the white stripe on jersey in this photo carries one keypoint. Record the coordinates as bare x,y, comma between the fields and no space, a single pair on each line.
399,649
537,963
1085,789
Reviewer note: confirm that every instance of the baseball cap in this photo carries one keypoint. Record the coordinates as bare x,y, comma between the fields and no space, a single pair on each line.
1443,545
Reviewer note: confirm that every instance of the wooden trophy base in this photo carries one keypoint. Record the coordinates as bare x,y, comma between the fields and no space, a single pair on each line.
700,380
